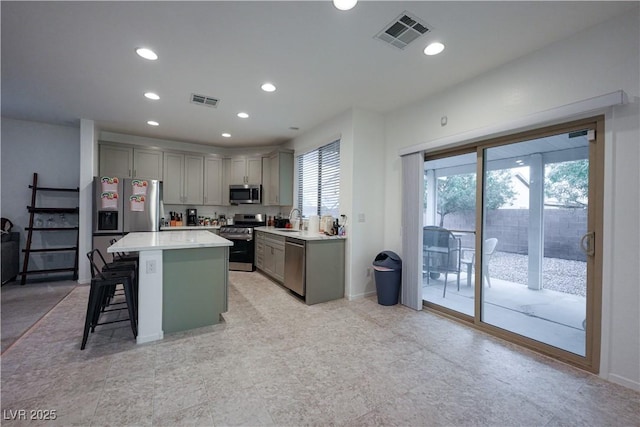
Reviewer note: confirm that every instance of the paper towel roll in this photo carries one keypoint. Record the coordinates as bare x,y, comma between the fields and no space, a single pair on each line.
314,223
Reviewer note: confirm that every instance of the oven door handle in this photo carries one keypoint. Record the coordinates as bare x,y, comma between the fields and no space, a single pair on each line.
247,239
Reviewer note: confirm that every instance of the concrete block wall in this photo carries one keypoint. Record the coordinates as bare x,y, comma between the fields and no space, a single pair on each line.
563,229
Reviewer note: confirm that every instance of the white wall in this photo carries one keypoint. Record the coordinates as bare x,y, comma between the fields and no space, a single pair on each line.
367,199
88,169
339,127
51,151
600,60
361,134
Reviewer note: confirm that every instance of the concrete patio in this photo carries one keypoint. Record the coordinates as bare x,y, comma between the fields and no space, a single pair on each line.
555,318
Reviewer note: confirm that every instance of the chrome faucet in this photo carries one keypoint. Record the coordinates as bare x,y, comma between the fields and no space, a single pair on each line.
299,217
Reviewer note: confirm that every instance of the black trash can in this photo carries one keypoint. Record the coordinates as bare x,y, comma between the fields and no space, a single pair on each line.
388,274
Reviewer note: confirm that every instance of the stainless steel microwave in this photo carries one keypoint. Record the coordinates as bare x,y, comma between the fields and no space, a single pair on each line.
245,194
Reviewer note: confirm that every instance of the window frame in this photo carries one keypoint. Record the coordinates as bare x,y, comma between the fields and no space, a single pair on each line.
324,176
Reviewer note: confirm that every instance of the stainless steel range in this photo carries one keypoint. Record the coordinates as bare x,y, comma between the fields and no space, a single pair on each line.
242,253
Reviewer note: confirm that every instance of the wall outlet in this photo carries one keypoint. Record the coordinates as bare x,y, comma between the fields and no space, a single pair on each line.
369,272
360,217
151,266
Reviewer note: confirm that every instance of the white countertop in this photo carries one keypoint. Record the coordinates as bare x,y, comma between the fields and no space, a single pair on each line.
191,227
302,235
161,240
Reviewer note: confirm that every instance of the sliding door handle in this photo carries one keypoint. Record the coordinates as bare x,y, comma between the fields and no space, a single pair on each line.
587,243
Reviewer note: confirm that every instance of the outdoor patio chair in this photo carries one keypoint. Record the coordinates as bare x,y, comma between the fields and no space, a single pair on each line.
488,250
441,252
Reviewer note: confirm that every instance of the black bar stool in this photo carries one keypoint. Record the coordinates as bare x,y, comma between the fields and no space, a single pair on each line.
115,266
102,282
123,256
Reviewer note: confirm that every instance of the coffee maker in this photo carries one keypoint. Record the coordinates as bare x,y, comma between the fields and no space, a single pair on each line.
192,217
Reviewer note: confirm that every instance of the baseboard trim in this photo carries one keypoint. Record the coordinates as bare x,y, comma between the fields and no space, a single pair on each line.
625,382
362,295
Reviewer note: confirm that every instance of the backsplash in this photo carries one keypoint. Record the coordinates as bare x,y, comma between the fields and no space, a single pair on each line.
228,211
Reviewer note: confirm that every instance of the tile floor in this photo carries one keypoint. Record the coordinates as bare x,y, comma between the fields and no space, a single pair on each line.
23,306
276,361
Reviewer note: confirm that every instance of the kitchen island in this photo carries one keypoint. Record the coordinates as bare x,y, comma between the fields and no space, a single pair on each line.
183,280
190,227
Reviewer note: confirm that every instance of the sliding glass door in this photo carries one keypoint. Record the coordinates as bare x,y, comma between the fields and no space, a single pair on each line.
533,267
449,233
511,238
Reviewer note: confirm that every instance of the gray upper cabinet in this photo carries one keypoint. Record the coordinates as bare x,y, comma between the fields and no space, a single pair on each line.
147,164
173,178
116,161
277,179
183,179
193,179
245,170
128,162
201,179
213,172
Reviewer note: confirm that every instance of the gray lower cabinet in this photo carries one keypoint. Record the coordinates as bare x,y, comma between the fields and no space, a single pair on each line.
194,287
318,267
259,258
270,255
324,270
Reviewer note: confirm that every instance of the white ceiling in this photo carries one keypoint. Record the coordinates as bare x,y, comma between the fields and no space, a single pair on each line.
62,61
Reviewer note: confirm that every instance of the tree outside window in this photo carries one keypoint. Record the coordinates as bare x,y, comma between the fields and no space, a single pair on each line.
457,193
567,184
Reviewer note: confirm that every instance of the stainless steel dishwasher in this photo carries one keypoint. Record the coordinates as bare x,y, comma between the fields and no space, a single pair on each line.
294,265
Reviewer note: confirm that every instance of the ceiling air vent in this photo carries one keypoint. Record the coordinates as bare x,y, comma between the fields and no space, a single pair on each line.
403,30
207,101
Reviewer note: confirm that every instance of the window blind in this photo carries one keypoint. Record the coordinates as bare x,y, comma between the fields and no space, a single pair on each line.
319,181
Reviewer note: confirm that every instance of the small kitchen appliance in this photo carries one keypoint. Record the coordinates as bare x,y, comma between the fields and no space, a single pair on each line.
326,224
192,217
245,194
314,223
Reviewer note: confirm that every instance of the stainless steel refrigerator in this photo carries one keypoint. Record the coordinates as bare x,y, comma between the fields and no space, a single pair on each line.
121,206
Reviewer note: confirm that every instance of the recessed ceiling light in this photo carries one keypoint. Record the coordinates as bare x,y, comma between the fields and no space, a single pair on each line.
226,135
153,123
243,115
147,53
152,95
268,87
344,4
434,48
